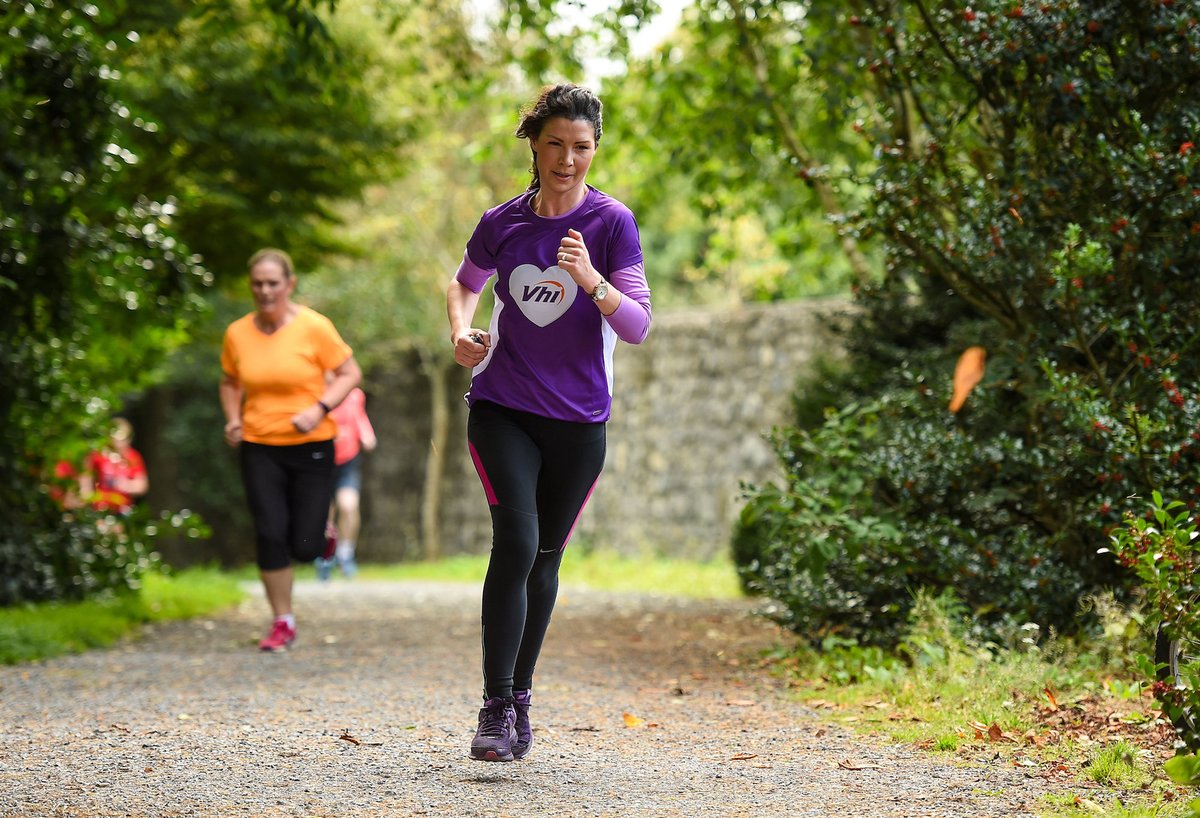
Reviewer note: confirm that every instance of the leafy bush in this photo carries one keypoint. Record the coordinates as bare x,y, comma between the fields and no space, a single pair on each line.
97,289
1161,548
84,553
1037,193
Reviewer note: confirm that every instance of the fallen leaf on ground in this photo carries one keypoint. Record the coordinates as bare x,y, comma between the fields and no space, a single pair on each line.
1050,695
633,721
990,732
345,736
741,703
743,756
847,764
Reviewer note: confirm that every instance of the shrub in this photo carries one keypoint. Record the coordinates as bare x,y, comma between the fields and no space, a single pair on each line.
1037,192
1161,547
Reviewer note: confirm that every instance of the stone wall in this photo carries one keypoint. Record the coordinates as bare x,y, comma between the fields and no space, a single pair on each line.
693,405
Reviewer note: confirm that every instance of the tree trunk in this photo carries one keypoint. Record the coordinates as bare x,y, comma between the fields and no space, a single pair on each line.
435,465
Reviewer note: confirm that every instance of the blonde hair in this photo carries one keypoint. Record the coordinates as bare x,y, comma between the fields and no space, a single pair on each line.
273,254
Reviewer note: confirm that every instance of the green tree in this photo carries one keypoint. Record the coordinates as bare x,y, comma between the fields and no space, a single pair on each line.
1034,186
387,251
135,135
720,140
409,234
96,286
257,119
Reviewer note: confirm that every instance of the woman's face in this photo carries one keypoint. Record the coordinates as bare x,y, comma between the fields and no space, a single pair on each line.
271,287
564,149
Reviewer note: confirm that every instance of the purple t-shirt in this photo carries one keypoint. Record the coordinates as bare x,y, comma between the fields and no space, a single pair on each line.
552,348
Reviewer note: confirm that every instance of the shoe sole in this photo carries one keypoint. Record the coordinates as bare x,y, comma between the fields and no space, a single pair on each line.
490,755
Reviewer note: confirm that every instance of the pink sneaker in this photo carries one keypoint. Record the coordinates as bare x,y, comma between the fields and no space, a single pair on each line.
282,634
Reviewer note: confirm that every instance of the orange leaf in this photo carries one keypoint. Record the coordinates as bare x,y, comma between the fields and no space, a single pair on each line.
1050,695
847,764
995,733
633,721
743,756
967,373
345,736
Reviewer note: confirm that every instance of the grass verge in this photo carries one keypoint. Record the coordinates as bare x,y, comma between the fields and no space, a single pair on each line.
1068,714
31,632
597,570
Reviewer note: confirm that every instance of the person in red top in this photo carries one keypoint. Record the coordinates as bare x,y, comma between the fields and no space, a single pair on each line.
354,436
115,477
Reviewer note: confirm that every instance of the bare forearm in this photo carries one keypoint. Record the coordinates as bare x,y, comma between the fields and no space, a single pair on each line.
345,378
231,404
231,398
461,303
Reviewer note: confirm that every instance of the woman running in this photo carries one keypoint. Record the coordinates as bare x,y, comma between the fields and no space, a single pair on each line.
569,282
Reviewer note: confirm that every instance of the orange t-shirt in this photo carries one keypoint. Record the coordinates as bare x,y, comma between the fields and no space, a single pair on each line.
282,373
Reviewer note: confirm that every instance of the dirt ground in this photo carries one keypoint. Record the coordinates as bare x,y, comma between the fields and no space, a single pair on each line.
643,706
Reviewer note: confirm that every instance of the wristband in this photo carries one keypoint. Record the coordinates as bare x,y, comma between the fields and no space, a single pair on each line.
324,406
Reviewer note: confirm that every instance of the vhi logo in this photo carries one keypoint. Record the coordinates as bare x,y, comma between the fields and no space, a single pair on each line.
542,295
544,292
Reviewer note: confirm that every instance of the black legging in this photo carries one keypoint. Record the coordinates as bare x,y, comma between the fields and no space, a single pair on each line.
288,489
537,474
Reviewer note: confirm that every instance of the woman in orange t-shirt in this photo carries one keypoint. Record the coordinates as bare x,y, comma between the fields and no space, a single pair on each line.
276,402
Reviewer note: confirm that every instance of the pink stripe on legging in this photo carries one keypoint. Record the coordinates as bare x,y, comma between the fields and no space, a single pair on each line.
488,491
580,514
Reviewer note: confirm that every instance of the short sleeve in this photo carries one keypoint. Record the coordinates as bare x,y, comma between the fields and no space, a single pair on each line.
624,241
481,248
331,350
228,356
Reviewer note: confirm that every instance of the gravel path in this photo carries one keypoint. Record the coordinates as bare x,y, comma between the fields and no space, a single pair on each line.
372,711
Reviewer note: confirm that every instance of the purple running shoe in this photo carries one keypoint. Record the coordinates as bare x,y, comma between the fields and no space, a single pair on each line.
524,739
495,737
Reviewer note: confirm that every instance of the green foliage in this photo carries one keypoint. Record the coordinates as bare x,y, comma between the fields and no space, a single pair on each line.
408,232
97,290
257,118
1033,186
133,136
1115,766
1161,548
1184,770
766,194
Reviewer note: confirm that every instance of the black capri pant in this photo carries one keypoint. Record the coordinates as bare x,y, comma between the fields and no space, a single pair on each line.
288,489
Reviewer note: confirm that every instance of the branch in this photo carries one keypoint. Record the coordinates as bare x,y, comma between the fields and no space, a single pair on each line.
825,193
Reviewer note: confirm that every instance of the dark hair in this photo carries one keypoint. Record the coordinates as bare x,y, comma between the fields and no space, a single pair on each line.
565,100
273,254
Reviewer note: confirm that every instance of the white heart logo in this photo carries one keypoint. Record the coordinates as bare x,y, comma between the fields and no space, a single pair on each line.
543,295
